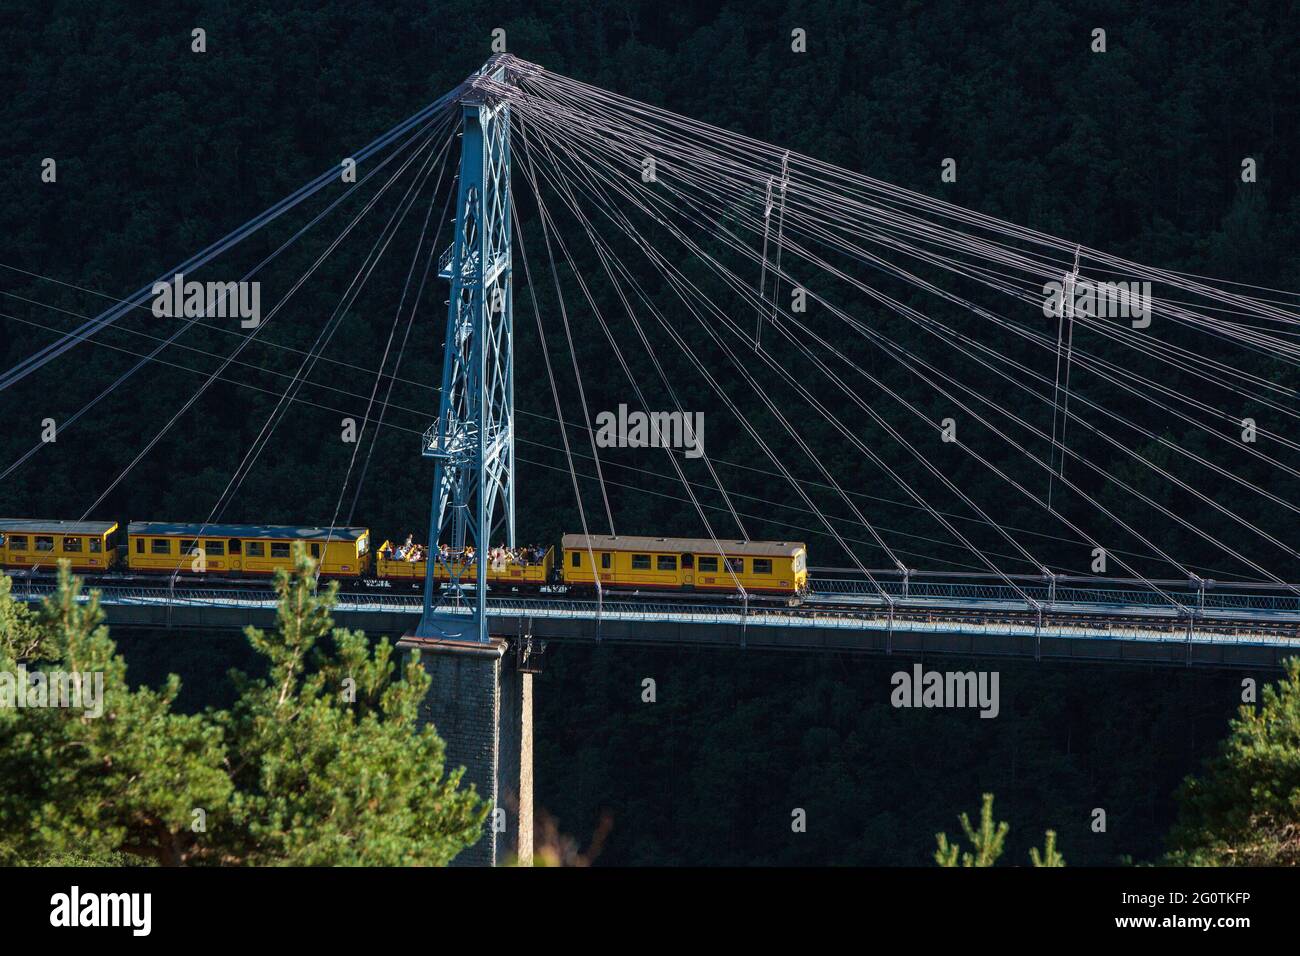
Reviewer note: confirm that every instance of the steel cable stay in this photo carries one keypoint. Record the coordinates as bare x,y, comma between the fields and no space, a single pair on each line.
1053,268
650,352
559,416
669,270
198,324
818,227
1251,451
730,403
914,316
678,284
122,378
52,351
697,250
1213,466
564,318
772,409
666,477
544,215
1170,514
700,225
848,184
331,326
663,476
1230,551
388,345
1084,358
393,379
243,343
253,334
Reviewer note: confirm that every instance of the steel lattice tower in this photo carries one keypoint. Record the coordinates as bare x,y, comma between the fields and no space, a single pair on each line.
473,440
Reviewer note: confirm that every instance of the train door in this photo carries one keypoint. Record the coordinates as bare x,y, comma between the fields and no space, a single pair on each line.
235,555
688,570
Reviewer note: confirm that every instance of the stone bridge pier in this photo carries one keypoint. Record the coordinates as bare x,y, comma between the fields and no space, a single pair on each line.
480,701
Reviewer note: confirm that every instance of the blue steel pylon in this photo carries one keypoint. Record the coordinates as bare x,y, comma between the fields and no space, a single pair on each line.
473,440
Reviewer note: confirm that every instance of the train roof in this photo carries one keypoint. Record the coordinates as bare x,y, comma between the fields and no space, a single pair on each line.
34,525
623,542
286,532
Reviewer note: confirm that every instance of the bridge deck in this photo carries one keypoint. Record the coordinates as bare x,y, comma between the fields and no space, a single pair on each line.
1136,632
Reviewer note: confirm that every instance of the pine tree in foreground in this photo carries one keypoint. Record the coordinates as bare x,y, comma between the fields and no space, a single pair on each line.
988,842
317,763
1244,809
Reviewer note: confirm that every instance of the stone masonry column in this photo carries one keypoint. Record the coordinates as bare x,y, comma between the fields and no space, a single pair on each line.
482,707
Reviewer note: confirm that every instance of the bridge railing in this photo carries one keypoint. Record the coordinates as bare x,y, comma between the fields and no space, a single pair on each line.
861,595
1102,597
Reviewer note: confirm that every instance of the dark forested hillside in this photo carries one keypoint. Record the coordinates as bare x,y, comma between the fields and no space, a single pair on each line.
161,150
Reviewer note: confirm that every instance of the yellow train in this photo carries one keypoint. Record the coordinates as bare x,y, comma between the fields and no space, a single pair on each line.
512,573
34,543
685,564
242,551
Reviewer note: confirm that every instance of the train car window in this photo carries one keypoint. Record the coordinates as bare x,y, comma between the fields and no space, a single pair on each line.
72,545
799,563
736,565
315,550
667,562
139,545
255,549
188,545
44,543
640,562
217,548
688,561
279,549
96,546
576,560
604,560
161,546
234,545
762,565
708,565
18,542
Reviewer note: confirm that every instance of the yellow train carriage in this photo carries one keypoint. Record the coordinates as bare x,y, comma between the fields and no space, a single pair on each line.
243,549
498,573
39,543
762,567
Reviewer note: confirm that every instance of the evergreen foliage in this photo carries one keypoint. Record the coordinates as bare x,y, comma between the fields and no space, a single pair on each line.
318,762
1244,808
988,842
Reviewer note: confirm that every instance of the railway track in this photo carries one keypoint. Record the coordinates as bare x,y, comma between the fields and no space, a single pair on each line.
1229,622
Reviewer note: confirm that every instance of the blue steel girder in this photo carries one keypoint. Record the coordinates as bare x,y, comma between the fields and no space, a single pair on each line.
473,440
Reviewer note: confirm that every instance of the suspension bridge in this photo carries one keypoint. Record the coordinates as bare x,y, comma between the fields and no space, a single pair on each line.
997,442
772,274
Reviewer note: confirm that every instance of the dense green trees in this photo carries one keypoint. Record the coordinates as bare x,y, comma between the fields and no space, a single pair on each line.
1244,808
160,151
318,761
